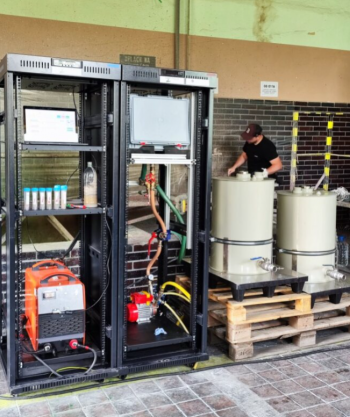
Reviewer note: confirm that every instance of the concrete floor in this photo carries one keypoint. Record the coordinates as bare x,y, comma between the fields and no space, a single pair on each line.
314,385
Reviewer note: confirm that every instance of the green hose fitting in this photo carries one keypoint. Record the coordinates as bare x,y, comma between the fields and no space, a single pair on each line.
179,218
143,174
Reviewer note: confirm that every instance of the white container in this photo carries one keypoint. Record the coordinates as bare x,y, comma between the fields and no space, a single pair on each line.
90,186
35,198
64,189
42,204
242,212
306,223
26,198
56,197
48,198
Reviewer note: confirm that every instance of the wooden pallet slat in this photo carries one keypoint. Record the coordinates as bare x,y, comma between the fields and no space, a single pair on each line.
288,315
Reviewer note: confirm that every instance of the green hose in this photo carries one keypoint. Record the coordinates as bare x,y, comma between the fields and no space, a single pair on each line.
143,173
179,218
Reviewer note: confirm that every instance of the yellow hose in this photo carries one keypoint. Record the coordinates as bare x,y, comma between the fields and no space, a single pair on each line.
176,316
178,295
174,284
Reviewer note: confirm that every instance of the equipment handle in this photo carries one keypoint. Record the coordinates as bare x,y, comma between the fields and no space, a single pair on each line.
70,278
154,236
38,265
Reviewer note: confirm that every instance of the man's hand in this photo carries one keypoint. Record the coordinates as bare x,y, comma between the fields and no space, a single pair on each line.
231,171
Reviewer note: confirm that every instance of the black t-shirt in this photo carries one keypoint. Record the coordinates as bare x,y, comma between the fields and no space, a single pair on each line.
259,156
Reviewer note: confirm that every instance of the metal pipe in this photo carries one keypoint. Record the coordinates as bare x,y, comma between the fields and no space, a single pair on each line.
266,265
154,259
317,253
177,33
188,34
335,274
241,242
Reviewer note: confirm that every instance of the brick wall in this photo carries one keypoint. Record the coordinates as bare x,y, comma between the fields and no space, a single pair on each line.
231,117
137,261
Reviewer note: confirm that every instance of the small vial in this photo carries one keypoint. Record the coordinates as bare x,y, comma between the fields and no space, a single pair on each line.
26,198
41,198
56,196
48,198
64,189
35,198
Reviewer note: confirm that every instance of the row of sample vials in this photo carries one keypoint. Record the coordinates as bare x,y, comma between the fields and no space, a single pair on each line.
41,198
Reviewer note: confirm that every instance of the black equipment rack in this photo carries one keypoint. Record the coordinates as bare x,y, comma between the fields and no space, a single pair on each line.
97,86
138,348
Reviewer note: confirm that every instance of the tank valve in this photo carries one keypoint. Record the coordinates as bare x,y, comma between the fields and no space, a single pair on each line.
266,265
334,273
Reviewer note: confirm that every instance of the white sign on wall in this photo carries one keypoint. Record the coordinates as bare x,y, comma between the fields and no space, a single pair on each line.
269,89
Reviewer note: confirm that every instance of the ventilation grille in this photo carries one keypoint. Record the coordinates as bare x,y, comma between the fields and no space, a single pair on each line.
197,77
145,74
97,70
62,382
165,364
53,325
27,63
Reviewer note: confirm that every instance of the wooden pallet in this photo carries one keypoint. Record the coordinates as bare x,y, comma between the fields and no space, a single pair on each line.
285,316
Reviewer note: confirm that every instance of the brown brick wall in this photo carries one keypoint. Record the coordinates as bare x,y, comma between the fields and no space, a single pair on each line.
231,117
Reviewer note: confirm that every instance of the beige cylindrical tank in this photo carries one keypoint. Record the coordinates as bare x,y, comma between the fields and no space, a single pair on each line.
306,231
242,212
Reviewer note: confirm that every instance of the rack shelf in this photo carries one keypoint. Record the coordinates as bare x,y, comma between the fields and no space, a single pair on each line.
72,147
62,212
141,336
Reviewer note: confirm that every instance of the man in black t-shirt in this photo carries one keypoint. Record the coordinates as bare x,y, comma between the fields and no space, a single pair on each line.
260,153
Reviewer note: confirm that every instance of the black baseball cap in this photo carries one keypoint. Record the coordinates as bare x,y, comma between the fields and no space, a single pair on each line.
251,131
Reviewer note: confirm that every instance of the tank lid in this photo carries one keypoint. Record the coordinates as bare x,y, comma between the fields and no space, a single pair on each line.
243,176
307,190
307,193
258,176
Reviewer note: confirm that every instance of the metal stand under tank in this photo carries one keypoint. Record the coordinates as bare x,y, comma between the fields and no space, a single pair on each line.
306,236
241,250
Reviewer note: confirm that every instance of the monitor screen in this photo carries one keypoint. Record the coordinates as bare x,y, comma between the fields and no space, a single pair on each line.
159,120
50,125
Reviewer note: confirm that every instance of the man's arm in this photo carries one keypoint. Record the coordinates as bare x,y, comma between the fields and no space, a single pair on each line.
240,161
276,165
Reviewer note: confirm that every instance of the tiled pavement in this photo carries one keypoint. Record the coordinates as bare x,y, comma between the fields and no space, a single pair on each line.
316,385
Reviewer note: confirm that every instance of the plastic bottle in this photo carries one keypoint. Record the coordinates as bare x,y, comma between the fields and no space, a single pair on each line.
35,198
64,189
41,198
343,251
90,186
26,198
56,196
48,198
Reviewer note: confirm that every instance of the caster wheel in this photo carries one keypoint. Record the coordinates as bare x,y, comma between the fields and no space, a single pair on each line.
123,377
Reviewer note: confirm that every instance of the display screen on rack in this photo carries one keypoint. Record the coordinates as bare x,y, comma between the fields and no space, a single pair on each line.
50,125
158,120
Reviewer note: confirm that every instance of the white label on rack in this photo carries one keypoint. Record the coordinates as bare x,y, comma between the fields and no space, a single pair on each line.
197,82
172,80
66,71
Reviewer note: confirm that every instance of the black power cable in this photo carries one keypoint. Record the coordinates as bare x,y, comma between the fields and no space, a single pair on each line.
162,375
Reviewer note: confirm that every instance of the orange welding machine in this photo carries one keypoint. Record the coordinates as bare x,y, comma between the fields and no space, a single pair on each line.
54,305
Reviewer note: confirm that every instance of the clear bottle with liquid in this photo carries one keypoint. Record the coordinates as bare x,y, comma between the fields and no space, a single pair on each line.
343,251
90,186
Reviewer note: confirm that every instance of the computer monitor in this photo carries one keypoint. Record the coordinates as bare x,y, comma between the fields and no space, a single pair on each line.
50,125
159,120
